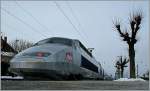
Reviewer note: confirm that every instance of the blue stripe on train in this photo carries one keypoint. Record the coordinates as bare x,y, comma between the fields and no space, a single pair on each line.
88,65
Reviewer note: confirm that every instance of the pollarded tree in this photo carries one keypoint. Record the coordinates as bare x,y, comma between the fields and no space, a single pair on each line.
130,38
121,64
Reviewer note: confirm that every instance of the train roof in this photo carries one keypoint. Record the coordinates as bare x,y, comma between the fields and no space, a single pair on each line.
60,40
52,39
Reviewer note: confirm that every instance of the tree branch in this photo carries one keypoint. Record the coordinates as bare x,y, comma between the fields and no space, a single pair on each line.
124,35
135,22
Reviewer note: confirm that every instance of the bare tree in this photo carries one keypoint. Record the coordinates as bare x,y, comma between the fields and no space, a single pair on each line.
117,69
130,38
121,64
20,45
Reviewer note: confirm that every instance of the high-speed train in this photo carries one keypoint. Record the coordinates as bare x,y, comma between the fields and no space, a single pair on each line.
57,58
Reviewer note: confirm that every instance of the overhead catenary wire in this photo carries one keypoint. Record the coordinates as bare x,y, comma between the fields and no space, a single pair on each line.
35,19
75,17
32,28
61,10
15,29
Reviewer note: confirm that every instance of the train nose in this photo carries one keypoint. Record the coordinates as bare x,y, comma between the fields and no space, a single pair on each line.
24,62
37,58
19,65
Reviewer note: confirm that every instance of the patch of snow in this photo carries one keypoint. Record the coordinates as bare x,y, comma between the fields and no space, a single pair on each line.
10,77
131,79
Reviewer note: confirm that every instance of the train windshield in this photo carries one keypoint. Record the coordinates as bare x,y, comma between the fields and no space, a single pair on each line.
56,41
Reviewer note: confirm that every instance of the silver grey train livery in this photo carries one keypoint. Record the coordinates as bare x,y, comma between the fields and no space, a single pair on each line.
57,58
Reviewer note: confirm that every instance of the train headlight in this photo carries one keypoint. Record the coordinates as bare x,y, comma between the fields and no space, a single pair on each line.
37,54
42,54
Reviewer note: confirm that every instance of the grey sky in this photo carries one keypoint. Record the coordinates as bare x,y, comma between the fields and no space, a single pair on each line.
93,19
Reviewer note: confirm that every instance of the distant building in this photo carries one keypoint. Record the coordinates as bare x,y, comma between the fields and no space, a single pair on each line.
7,53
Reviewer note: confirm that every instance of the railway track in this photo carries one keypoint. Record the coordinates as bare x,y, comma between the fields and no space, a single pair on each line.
73,85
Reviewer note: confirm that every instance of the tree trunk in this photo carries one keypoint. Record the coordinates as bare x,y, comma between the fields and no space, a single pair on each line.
122,72
132,60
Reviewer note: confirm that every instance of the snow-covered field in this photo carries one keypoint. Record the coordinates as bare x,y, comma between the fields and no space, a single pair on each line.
131,79
10,77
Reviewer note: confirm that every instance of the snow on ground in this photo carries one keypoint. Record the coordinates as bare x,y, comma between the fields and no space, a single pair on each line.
10,77
131,79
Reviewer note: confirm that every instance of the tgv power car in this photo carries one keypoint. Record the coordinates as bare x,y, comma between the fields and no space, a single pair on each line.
57,58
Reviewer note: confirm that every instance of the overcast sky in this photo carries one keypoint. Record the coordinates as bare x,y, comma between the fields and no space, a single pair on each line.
91,22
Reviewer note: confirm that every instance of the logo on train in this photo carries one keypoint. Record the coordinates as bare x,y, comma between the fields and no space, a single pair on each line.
69,56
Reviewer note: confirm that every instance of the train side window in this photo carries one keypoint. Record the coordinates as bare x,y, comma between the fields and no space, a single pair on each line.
85,49
88,65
